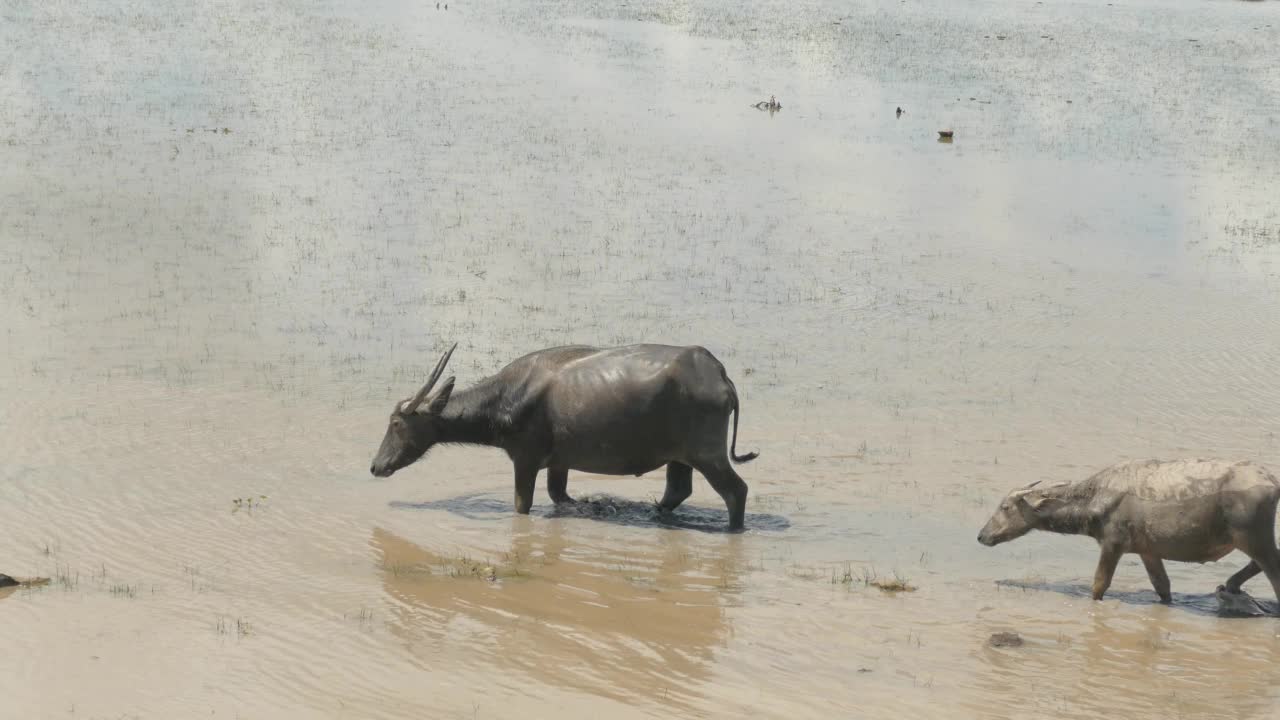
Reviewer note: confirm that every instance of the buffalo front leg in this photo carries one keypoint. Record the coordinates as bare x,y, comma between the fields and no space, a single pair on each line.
679,486
1106,569
557,482
1159,578
526,477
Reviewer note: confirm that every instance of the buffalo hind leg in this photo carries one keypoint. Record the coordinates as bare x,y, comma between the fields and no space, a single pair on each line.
1260,545
525,479
1159,578
557,482
1247,573
1271,567
679,486
725,481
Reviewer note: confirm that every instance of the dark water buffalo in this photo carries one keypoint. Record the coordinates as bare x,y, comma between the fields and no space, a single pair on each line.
614,411
1183,510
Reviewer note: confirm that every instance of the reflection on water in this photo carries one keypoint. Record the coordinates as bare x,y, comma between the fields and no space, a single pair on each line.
1124,665
635,624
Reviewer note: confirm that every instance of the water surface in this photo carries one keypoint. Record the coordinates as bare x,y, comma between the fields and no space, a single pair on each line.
233,235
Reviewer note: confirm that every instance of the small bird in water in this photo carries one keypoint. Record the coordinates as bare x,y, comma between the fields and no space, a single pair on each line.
899,111
771,104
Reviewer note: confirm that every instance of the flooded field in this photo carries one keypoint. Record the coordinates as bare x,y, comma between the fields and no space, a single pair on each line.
234,234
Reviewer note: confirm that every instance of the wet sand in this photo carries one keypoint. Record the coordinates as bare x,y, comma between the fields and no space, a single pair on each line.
233,236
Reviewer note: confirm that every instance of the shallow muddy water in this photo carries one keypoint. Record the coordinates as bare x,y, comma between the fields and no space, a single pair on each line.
232,236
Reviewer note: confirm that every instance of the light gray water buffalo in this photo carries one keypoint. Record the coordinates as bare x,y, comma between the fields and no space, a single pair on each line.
614,411
1183,510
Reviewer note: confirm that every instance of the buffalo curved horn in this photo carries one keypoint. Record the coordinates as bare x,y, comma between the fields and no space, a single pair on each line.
411,405
1022,490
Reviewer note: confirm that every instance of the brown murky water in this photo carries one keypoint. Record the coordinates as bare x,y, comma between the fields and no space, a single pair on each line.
233,234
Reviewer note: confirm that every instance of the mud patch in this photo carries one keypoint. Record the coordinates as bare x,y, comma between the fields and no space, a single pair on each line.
1005,639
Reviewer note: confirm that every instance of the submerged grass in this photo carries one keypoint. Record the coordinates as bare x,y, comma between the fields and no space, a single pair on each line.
804,572
868,577
896,585
123,590
239,627
461,566
67,578
248,503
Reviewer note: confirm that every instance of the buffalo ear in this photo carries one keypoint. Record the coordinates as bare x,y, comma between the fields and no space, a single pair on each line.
436,402
1044,505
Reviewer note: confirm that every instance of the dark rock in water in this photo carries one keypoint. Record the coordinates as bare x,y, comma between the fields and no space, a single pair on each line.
7,581
1005,639
1238,604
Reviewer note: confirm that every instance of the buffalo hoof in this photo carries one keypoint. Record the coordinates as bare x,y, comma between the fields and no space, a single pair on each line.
1238,603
